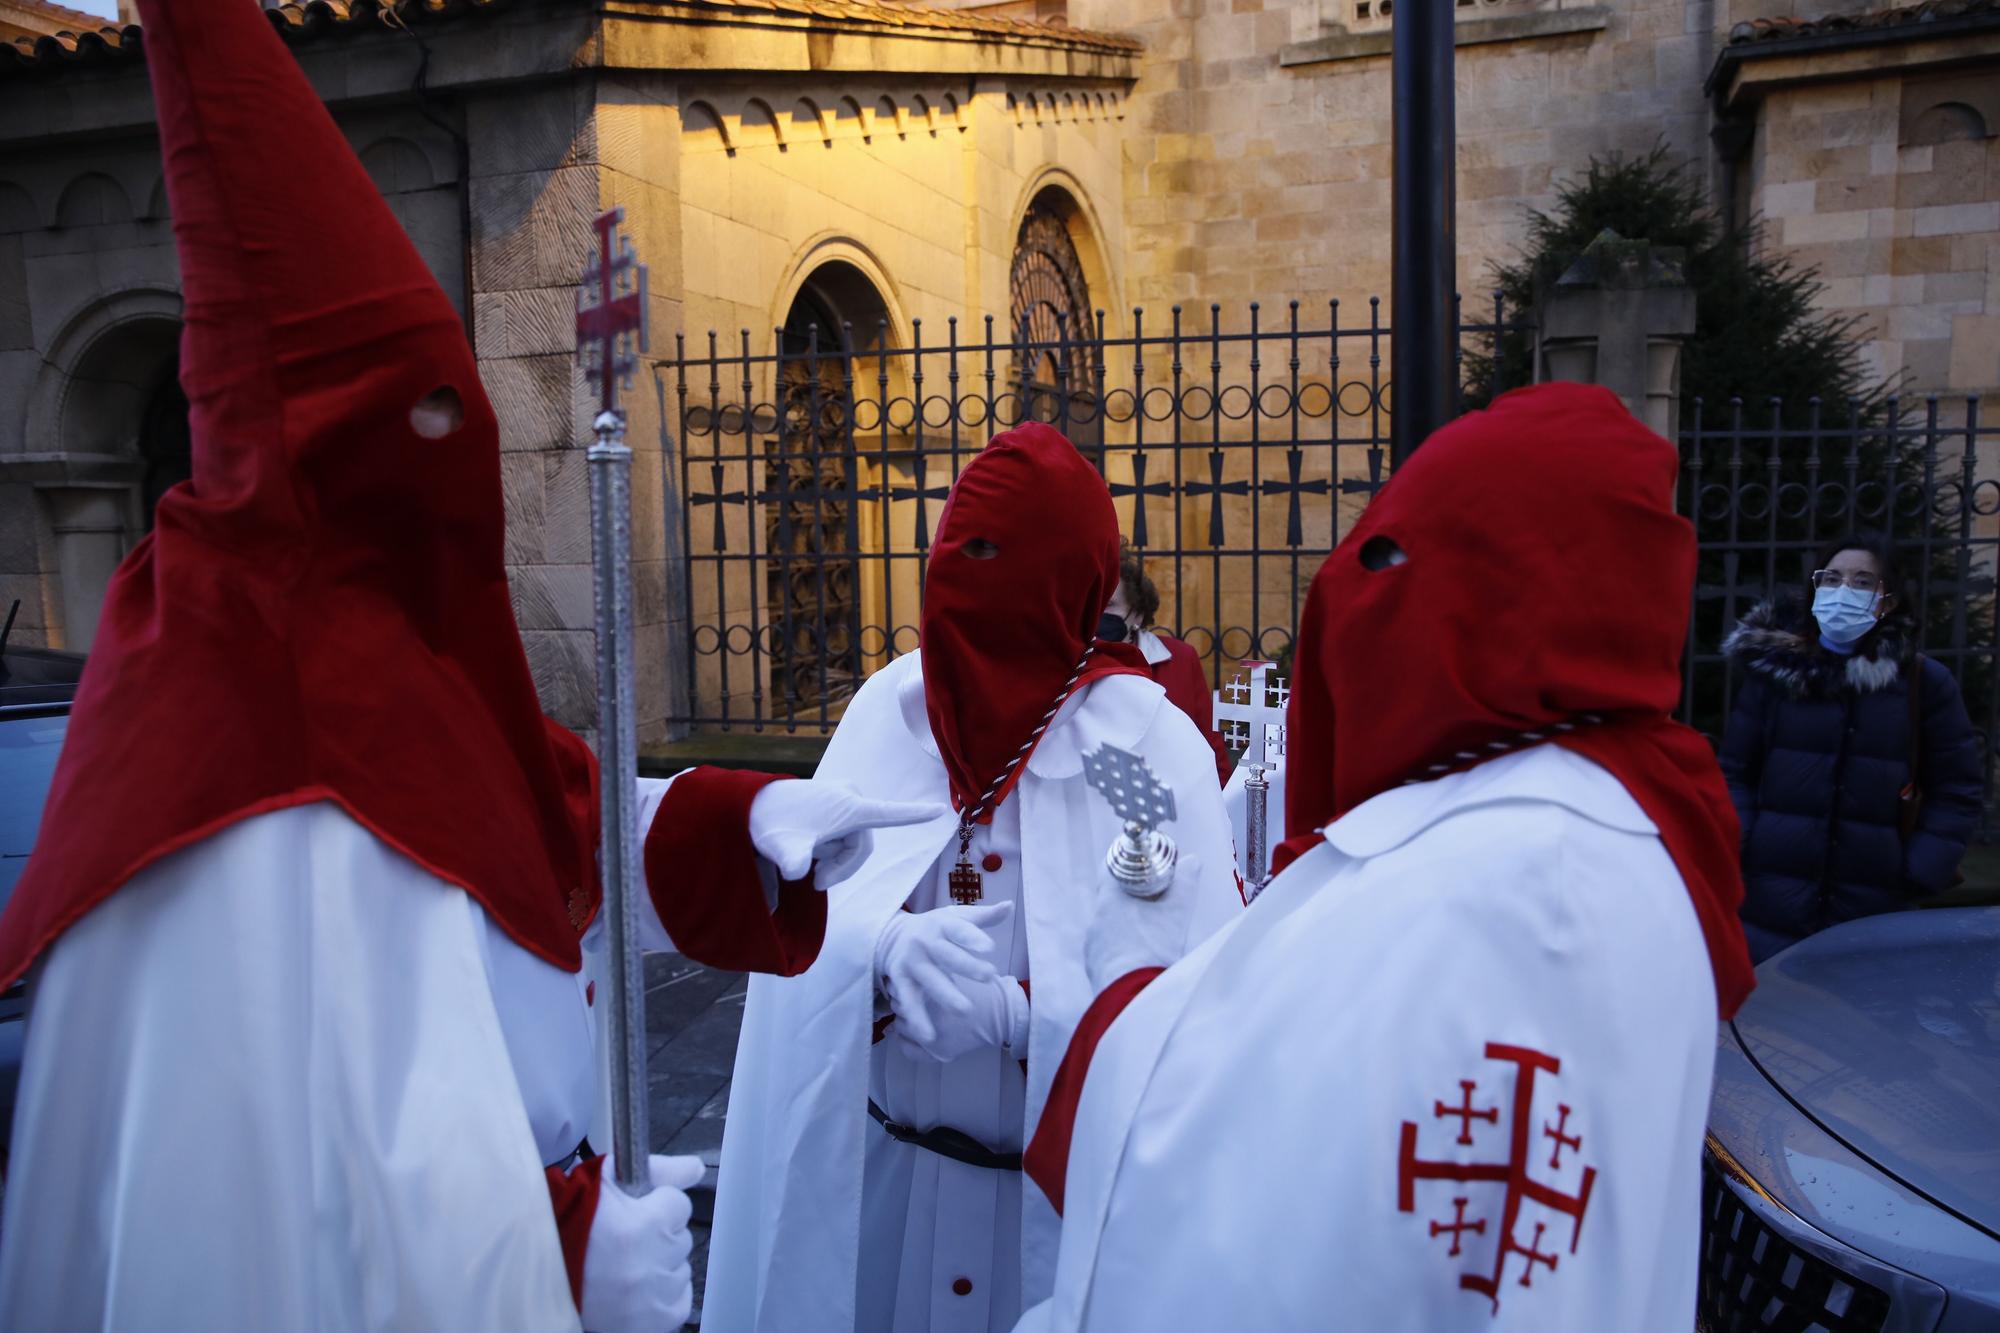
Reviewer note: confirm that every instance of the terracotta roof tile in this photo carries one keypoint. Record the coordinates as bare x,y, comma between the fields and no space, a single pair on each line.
1930,11
74,20
299,22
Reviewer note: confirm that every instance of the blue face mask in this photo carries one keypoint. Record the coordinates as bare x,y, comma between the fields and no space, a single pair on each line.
1844,614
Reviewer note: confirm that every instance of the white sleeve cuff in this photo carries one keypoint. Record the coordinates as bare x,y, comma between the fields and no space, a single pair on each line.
1017,1015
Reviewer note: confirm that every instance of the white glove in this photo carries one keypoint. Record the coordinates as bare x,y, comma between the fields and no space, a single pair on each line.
636,1277
926,962
795,823
998,1017
1126,933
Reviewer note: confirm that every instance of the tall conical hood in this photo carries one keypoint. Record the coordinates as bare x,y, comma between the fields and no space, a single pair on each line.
321,613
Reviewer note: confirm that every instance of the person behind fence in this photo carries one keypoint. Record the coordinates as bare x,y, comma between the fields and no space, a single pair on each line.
1853,764
887,1076
1451,1070
1171,662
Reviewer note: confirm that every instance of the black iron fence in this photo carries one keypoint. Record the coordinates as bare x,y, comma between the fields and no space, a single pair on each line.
808,480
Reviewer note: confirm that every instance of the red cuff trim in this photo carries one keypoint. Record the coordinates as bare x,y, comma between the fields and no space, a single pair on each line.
1047,1158
706,883
573,1196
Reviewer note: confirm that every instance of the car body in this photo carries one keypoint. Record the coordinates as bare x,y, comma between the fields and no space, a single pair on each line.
1852,1178
36,689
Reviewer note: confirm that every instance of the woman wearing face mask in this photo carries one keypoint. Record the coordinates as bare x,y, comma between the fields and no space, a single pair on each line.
1857,792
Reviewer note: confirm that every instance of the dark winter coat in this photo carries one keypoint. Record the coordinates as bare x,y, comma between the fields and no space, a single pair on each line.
1817,753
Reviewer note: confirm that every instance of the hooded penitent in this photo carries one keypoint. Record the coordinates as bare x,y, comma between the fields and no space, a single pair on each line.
1003,635
1524,571
321,613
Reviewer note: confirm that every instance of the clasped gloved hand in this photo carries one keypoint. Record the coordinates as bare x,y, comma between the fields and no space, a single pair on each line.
935,969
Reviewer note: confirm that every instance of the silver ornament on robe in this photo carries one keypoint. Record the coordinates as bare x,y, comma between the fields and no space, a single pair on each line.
1142,857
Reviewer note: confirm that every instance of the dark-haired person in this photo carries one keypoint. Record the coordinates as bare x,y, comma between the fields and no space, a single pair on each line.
1173,664
1826,737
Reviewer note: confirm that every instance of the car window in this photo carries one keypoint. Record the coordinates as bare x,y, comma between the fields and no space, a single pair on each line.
28,750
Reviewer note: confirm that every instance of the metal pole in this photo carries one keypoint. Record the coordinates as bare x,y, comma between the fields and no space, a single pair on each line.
1256,829
1424,280
618,755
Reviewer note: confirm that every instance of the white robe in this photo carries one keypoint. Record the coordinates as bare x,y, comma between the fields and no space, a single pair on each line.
823,1224
291,1009
288,1009
1268,1136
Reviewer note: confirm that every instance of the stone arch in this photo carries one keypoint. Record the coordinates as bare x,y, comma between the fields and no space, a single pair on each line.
1947,122
17,209
1059,189
955,110
806,114
850,108
830,343
702,130
758,125
834,252
398,166
92,200
157,208
1053,307
108,401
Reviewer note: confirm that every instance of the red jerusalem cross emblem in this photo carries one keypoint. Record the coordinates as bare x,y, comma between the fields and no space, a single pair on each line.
1520,1188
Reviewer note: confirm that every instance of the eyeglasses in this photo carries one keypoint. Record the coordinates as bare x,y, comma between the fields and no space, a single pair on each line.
1831,578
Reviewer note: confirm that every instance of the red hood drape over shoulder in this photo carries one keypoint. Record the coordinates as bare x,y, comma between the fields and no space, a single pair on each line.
1547,578
322,612
1001,636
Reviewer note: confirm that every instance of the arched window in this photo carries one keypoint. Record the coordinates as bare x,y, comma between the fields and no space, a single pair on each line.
1053,322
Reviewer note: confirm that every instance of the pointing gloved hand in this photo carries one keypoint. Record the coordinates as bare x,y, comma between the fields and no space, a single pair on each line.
795,823
1128,933
998,1016
929,964
636,1277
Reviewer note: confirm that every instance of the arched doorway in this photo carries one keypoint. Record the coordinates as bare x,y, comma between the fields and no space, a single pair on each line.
165,445
1053,321
813,485
110,406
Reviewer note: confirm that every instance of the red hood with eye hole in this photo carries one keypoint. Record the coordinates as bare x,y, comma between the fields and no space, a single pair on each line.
1548,579
1003,636
321,613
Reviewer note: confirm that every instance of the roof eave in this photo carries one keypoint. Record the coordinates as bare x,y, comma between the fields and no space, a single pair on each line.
1747,70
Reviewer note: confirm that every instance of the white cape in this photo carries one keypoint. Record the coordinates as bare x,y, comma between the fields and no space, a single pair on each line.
784,1253
1482,1012
298,1110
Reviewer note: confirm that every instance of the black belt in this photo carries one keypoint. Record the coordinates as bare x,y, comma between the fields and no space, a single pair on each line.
947,1142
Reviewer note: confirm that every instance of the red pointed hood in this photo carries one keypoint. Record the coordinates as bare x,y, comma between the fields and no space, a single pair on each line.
1002,637
1547,578
321,613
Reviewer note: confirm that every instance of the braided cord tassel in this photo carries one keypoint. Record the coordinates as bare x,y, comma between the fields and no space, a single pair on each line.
982,805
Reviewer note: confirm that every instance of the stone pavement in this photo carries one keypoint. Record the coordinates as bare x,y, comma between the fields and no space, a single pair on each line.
693,1014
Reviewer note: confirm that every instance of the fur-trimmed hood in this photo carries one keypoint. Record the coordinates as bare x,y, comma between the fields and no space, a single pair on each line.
1783,646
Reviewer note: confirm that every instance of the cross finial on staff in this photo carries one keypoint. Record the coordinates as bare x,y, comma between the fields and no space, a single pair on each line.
611,311
1245,711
